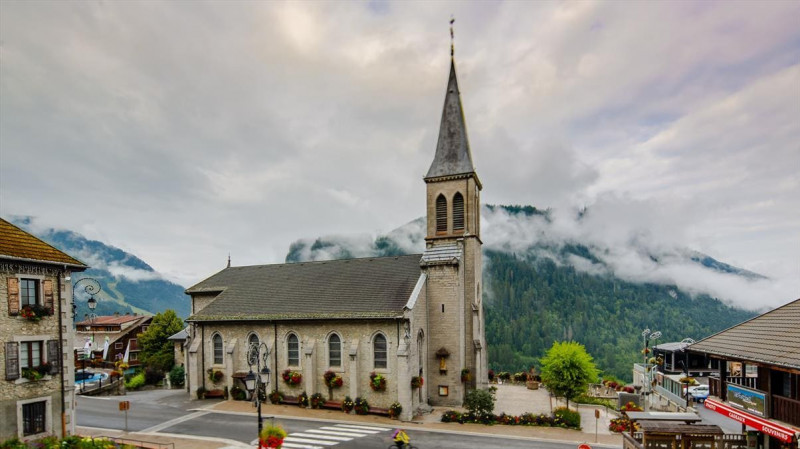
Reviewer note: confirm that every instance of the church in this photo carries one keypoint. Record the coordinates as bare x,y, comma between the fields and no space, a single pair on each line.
406,329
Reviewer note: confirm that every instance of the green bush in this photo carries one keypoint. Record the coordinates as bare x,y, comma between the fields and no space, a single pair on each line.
153,376
583,399
177,376
135,382
567,417
480,403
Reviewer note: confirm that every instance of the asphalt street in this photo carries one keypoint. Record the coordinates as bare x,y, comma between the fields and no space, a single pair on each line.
171,412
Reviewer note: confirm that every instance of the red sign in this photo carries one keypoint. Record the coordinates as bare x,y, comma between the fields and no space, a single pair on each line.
783,433
584,446
124,405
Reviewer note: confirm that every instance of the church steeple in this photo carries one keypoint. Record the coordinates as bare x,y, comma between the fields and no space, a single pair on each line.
453,156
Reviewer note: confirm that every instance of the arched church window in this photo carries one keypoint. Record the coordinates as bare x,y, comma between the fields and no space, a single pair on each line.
334,350
217,342
379,351
441,214
252,340
293,350
458,212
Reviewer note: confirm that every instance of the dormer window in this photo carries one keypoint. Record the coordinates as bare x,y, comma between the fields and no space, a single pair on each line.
458,212
441,214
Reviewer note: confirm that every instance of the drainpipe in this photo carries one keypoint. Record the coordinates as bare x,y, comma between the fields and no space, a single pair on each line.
275,351
61,356
203,354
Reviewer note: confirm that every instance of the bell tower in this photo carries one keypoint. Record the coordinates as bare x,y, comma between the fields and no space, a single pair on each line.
452,261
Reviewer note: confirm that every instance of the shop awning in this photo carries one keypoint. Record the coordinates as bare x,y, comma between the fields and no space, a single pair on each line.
783,433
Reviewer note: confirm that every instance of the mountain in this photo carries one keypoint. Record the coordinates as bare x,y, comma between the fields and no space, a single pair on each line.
546,280
127,283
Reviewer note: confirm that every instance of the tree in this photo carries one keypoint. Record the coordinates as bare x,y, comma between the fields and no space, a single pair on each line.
156,351
567,369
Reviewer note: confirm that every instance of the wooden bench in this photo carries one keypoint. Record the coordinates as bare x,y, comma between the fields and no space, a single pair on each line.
290,400
379,411
211,394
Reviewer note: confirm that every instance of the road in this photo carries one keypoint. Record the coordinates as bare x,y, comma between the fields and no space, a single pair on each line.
164,411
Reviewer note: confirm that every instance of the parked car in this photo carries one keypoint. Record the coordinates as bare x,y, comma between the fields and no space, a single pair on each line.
699,393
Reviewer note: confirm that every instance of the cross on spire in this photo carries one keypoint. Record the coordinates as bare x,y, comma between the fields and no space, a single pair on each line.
452,38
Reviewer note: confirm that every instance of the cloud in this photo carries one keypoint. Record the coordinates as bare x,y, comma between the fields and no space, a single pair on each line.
647,247
185,134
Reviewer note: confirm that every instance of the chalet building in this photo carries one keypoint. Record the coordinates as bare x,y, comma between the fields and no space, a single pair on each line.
401,318
115,338
758,383
36,391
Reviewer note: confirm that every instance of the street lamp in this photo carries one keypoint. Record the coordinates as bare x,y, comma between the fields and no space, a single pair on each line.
647,335
257,355
91,287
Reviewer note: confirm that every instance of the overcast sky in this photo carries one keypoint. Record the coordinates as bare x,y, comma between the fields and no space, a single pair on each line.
182,131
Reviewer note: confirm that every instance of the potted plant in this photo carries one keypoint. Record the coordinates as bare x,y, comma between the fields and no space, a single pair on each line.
395,409
361,406
275,397
271,437
377,382
348,405
465,375
292,377
31,374
417,381
302,400
317,400
201,392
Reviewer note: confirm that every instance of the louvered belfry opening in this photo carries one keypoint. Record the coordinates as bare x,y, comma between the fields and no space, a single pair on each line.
441,214
458,212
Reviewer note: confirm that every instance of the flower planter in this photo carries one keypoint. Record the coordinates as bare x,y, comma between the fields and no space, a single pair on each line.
532,385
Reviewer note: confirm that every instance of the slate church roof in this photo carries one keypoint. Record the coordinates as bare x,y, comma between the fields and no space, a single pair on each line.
772,338
335,289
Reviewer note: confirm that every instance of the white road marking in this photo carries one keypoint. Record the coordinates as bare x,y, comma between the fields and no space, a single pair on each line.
299,446
356,432
292,439
362,428
320,434
330,432
172,422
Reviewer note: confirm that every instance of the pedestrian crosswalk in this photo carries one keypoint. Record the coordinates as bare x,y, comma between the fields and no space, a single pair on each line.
328,436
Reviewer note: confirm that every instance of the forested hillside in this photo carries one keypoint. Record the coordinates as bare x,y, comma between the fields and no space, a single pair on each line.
532,302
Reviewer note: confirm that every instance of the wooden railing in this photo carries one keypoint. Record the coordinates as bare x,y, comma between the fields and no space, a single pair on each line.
786,410
628,442
715,386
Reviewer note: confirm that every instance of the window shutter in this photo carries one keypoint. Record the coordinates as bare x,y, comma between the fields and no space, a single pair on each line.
48,294
458,212
13,296
441,214
53,357
12,360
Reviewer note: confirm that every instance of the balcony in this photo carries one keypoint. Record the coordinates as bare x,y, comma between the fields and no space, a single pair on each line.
786,410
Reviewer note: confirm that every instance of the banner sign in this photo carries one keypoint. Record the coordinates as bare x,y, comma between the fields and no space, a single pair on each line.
752,401
783,433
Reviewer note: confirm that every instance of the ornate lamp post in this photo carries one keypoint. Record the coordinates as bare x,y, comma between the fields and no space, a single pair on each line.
91,287
257,355
647,335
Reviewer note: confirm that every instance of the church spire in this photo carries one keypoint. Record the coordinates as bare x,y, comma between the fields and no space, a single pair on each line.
453,156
